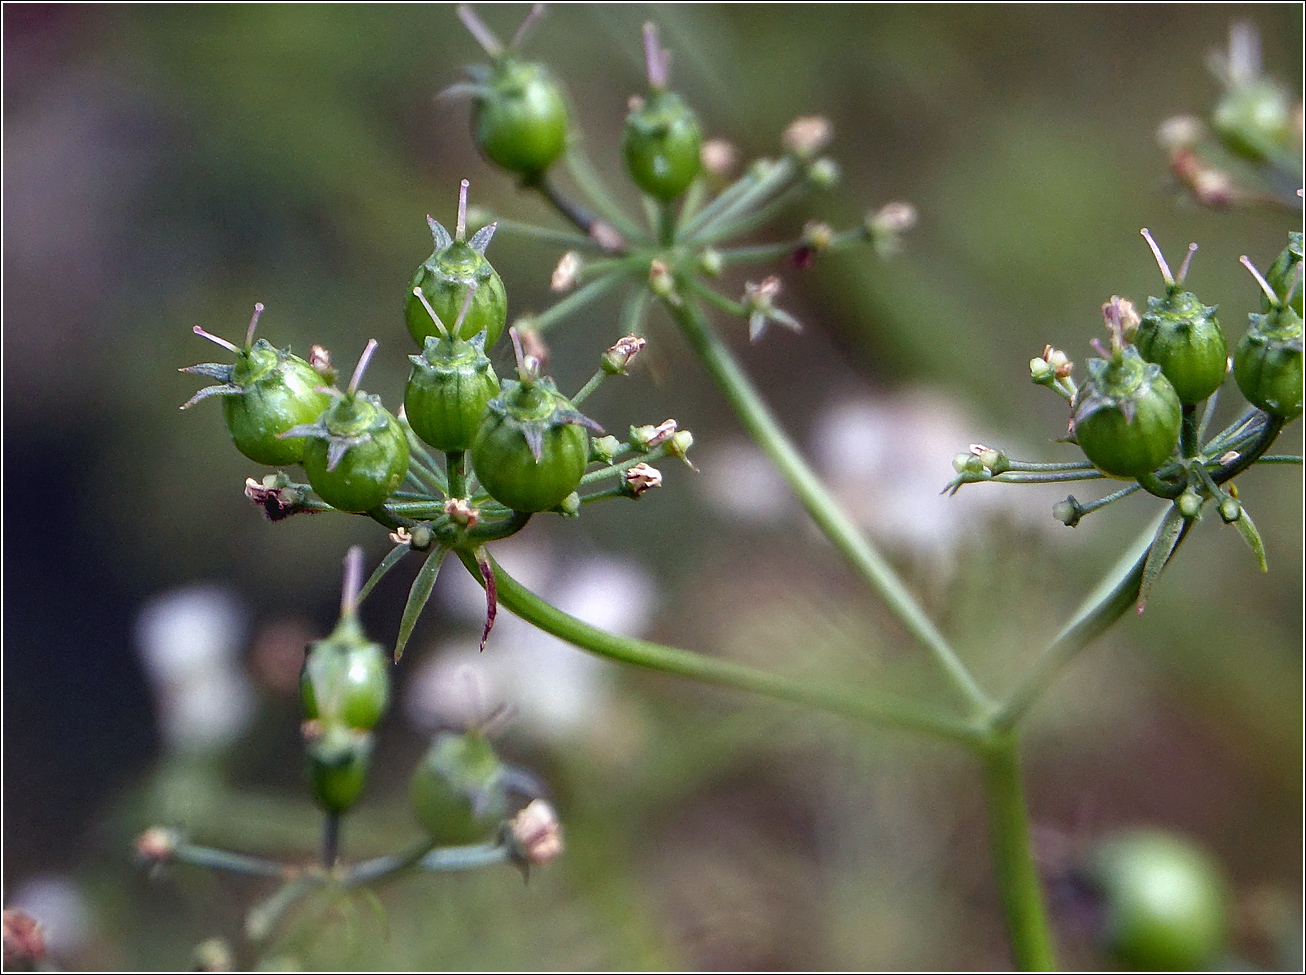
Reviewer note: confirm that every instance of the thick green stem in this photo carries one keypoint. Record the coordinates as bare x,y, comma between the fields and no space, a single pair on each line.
455,462
764,429
869,707
1013,856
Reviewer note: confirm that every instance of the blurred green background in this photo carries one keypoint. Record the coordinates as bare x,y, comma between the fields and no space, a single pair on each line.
167,166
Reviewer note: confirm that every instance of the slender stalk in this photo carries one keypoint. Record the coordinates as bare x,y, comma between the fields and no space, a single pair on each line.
667,223
242,863
866,706
1189,444
1269,433
330,839
381,868
1013,856
1117,592
563,238
823,508
592,185
455,462
576,300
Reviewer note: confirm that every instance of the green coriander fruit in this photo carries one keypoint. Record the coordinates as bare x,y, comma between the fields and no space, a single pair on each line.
1255,119
661,145
455,269
357,454
457,790
345,678
1267,365
532,446
448,390
1183,337
338,761
519,118
1126,417
1166,903
266,392
1284,278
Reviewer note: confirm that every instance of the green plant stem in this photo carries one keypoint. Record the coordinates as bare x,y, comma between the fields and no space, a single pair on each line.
563,238
382,868
577,300
592,185
595,381
241,863
1115,594
330,839
1189,445
766,432
666,223
752,193
1279,459
578,215
1268,434
455,462
866,706
1013,856
740,222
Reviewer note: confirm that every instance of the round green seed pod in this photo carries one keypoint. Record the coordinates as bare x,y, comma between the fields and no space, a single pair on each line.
360,457
1166,903
1126,417
345,678
338,761
448,390
457,790
532,447
1184,338
519,118
662,144
1267,365
445,278
265,392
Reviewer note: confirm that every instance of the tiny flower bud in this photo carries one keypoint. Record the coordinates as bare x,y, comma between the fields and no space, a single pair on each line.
157,845
823,174
818,235
536,832
719,157
607,236
1190,503
570,505
994,460
1230,510
532,342
1068,512
320,360
679,444
886,226
214,955
567,273
648,436
711,263
1180,132
24,941
275,496
462,512
968,463
660,280
605,448
401,536
641,478
618,358
1040,371
807,136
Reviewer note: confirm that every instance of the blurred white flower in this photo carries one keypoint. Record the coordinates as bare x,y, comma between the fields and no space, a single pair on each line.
189,640
553,688
741,483
58,904
887,458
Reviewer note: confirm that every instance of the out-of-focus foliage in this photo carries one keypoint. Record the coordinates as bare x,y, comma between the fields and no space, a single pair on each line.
167,166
